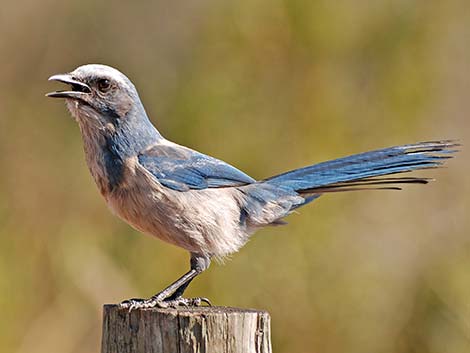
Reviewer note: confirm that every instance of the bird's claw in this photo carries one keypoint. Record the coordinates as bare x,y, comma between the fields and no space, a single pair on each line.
135,303
186,302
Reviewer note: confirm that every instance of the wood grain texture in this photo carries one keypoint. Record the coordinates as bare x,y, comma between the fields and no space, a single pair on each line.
185,330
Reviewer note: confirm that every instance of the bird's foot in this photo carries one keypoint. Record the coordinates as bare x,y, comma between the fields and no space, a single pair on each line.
186,302
155,302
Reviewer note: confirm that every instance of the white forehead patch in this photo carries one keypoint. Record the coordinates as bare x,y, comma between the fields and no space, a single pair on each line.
98,70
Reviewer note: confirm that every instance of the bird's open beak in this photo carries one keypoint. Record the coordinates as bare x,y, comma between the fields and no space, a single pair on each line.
78,91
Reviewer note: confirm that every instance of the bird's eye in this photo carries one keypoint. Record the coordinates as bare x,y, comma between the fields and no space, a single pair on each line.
104,85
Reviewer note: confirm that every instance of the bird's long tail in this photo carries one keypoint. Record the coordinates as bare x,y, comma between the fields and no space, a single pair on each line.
367,170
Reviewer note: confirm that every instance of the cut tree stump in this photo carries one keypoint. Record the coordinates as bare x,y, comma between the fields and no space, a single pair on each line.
185,330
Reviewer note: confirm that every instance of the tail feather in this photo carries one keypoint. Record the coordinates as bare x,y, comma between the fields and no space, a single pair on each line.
361,171
367,184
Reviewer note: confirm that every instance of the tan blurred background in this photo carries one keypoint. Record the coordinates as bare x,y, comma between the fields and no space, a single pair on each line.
267,85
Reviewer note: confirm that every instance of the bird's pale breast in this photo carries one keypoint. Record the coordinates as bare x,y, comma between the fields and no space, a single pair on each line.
201,221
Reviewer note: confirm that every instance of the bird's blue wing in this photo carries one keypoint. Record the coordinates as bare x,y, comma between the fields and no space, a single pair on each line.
182,169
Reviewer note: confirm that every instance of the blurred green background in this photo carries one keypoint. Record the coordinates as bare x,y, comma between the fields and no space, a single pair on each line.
267,85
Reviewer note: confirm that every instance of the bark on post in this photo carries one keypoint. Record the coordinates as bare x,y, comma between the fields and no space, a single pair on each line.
186,330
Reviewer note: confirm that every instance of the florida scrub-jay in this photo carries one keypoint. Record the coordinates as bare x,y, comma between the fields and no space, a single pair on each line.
197,202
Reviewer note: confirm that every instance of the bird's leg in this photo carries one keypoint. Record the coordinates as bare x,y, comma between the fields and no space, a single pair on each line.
171,296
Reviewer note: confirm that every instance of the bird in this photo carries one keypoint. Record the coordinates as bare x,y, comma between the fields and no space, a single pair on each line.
197,202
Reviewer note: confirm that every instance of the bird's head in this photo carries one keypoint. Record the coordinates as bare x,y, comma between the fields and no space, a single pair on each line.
98,94
107,108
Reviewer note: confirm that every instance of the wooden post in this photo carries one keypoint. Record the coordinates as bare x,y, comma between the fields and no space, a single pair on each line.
185,330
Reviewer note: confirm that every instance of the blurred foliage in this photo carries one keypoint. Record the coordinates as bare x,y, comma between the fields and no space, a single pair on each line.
267,86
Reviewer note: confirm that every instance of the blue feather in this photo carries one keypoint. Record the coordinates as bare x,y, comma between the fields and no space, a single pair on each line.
366,165
182,169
